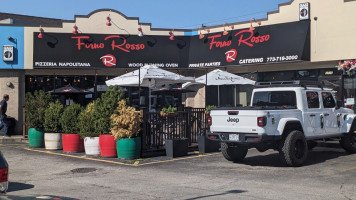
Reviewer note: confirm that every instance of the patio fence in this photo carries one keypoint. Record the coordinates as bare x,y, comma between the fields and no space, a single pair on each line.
187,124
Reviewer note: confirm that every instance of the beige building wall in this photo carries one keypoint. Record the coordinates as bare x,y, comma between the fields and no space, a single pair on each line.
12,84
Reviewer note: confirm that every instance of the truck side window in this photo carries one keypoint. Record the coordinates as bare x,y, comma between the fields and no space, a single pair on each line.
313,99
328,100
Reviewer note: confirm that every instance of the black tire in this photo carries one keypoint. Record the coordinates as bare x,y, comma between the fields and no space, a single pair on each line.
348,142
294,149
233,153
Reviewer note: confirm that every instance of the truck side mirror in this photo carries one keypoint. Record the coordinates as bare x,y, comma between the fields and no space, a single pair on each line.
340,104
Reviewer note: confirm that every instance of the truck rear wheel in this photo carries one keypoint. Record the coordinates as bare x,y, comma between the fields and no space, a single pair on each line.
348,142
294,149
233,153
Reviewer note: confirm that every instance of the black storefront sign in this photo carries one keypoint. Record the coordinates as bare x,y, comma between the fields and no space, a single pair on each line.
288,42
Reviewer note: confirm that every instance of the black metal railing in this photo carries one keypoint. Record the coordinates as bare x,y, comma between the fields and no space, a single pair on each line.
186,124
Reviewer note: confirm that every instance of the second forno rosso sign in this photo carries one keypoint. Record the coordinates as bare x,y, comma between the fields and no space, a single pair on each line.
267,44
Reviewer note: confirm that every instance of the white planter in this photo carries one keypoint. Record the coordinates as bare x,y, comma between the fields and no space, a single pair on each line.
53,141
91,145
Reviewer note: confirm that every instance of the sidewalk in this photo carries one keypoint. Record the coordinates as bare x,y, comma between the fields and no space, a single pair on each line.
13,139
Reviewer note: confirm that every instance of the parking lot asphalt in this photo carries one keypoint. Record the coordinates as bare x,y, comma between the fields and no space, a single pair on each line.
329,173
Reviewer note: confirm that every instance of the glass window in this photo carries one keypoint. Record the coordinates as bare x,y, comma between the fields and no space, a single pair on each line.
313,99
328,100
275,98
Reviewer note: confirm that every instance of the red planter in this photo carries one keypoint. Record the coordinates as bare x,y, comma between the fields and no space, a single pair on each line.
72,143
107,146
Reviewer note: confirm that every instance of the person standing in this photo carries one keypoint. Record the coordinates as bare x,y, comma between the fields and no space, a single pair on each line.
3,117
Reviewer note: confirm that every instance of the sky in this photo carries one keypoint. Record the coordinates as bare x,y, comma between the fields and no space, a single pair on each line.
177,14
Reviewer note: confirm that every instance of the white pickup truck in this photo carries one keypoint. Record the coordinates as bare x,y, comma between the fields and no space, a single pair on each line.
286,118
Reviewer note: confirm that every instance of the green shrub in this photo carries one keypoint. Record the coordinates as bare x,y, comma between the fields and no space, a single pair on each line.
126,123
36,105
69,119
209,107
52,117
105,107
86,122
169,109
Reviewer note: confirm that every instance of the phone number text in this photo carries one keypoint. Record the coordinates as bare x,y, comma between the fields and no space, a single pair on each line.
282,58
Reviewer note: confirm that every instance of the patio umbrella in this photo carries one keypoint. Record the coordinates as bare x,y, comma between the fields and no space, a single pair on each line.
149,76
70,90
171,89
219,77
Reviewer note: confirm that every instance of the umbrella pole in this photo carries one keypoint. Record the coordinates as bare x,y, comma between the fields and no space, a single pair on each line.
149,99
206,84
219,95
139,87
149,96
54,84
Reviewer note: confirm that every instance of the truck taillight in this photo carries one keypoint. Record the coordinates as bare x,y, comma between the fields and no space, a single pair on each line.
209,121
4,174
261,121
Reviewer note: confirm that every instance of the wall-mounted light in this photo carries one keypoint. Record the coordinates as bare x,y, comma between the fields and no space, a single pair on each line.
254,20
8,84
226,31
140,32
10,38
41,31
75,31
108,23
171,33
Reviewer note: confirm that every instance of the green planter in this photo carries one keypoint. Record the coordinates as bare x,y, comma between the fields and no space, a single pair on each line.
36,137
129,148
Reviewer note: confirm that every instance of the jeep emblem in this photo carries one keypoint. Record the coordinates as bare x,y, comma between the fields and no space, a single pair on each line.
233,120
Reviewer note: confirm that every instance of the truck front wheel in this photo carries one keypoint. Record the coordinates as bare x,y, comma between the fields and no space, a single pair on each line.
233,153
294,149
348,142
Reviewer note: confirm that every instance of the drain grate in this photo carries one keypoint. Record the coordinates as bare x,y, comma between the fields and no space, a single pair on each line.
83,170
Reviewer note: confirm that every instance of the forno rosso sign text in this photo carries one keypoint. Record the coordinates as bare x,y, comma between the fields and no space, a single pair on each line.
117,42
244,37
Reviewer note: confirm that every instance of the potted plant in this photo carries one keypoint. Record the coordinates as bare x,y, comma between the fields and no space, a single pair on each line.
35,105
53,129
103,109
208,109
126,126
87,131
169,111
69,122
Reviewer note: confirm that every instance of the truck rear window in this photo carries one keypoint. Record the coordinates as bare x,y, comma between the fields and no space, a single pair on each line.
275,98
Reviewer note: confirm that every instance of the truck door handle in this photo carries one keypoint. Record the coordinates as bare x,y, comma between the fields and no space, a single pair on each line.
326,114
312,115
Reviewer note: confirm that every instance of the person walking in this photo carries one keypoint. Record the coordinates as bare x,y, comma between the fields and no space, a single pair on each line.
3,117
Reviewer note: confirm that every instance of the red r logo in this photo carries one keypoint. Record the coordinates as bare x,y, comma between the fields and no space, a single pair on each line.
231,55
108,60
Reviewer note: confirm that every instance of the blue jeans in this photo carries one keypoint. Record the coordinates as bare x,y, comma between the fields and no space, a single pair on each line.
3,124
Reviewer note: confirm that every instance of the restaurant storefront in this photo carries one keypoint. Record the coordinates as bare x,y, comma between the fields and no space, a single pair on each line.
287,45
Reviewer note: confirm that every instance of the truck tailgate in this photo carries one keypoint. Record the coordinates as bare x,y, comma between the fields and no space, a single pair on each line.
234,121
